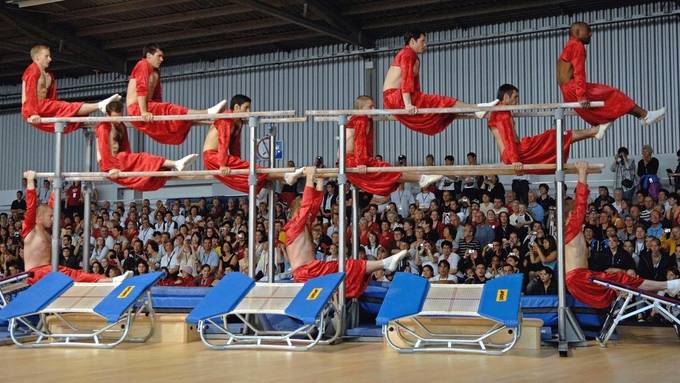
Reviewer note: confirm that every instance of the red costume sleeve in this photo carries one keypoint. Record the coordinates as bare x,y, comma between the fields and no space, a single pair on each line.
502,121
309,208
362,126
31,212
406,60
103,132
575,54
141,73
578,213
31,77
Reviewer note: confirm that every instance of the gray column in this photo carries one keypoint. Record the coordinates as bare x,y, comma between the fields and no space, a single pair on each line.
87,189
57,187
342,213
252,197
271,240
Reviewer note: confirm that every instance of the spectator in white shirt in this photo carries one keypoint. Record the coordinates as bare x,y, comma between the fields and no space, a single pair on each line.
444,275
170,257
403,199
424,198
146,231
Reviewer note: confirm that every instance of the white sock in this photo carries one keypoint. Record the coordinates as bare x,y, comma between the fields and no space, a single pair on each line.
218,107
427,180
101,105
673,286
653,116
292,177
185,162
483,114
601,130
391,263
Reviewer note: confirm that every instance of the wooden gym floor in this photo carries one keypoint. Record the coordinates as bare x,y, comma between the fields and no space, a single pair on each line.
643,354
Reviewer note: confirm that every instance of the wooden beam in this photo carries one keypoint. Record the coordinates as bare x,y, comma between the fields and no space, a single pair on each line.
195,33
122,26
457,13
181,117
89,52
333,17
381,6
221,46
455,170
105,11
453,110
265,8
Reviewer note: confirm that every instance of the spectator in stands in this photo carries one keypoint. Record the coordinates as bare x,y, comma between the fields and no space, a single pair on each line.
208,256
613,259
534,208
45,192
74,199
444,275
428,272
185,277
624,169
478,276
205,278
545,284
142,267
647,168
654,263
19,204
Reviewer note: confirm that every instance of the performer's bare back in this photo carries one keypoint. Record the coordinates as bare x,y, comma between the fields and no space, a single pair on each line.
44,83
131,97
37,247
565,72
393,76
212,140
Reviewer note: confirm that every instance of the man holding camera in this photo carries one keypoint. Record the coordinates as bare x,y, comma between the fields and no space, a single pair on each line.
624,169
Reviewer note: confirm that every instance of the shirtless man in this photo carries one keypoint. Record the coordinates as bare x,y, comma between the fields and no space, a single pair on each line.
39,95
539,149
571,76
37,241
222,148
578,276
115,155
301,248
401,90
144,98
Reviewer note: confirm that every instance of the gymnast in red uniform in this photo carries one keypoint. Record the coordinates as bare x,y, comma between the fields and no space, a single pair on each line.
401,90
222,148
301,248
571,75
538,149
359,153
144,98
37,240
115,155
39,95
578,276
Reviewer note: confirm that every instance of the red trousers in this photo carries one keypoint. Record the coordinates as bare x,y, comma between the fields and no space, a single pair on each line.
165,132
429,124
139,162
356,279
597,296
77,275
374,183
236,182
56,108
540,149
616,103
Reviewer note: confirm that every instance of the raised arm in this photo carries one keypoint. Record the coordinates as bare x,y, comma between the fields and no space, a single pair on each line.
578,213
31,204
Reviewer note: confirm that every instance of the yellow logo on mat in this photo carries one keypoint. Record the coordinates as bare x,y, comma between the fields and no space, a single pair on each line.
126,291
314,294
502,295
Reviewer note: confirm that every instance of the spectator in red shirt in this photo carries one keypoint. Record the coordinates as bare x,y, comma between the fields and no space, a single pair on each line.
74,199
204,279
185,277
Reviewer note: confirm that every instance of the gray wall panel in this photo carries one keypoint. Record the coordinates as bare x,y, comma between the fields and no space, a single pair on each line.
639,56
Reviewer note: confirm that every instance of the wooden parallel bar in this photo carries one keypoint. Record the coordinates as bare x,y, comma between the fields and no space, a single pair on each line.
181,117
456,170
466,109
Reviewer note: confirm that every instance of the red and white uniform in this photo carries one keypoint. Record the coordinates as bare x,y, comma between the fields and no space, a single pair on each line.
228,154
616,103
374,183
127,161
538,149
40,271
165,132
49,106
299,241
430,124
578,280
